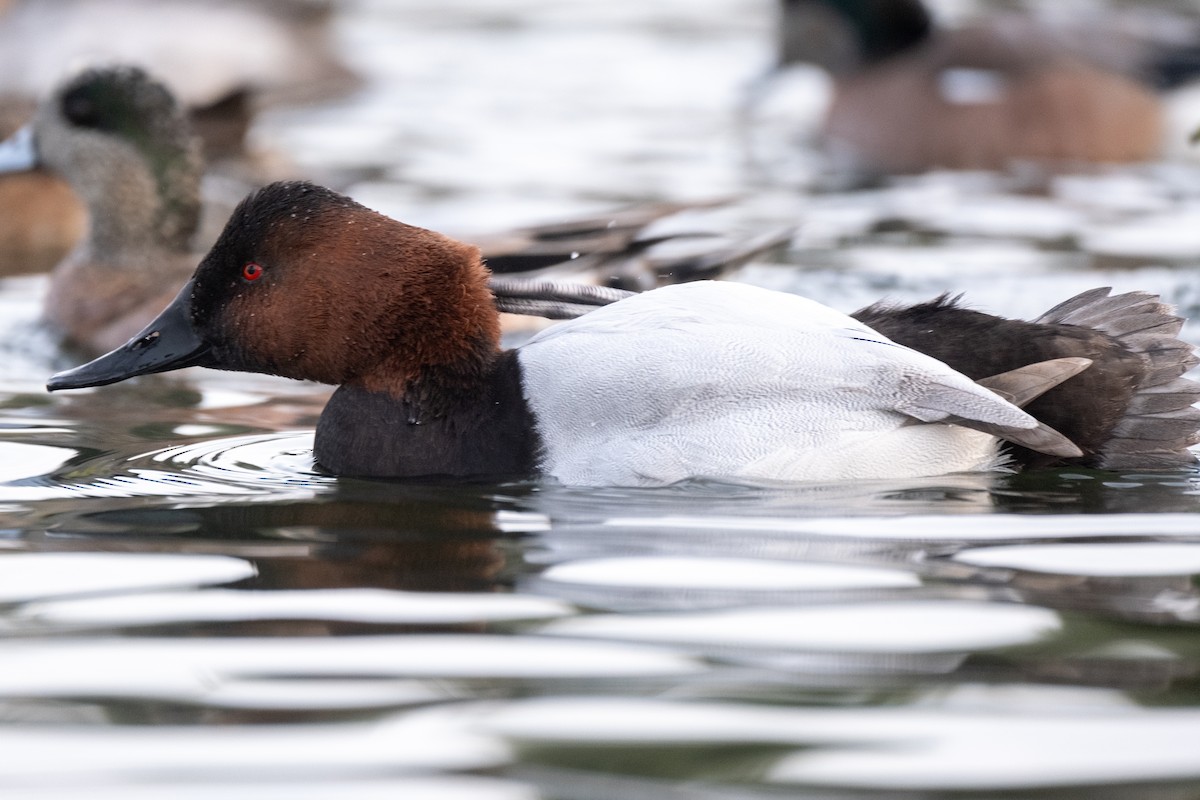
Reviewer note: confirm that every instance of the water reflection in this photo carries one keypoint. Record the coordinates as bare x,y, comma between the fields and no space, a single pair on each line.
27,577
152,787
321,752
746,636
974,744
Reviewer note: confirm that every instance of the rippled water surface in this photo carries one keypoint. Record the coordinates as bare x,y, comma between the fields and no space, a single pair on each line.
190,608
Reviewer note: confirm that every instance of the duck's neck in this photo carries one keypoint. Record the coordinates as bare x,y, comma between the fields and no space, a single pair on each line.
448,422
150,207
429,364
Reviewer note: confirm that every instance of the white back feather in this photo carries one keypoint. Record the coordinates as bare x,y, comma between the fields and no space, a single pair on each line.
729,381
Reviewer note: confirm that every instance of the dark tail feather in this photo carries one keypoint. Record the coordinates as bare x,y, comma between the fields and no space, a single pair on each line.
1160,422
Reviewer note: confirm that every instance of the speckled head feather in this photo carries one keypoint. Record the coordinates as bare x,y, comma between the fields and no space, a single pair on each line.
345,295
126,103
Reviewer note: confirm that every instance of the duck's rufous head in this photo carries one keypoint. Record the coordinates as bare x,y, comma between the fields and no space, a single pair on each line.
306,283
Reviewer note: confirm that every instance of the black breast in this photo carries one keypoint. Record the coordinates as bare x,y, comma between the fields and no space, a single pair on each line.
483,432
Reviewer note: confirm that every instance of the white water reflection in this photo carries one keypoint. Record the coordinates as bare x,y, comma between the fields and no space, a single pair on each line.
892,627
390,746
938,206
20,461
1101,560
893,749
33,576
193,670
1005,751
271,459
371,606
449,787
1170,236
677,572
238,465
921,528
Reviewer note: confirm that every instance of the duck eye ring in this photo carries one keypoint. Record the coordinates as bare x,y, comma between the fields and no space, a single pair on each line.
252,271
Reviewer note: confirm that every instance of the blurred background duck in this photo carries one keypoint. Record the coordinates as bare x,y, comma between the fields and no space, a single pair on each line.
127,150
223,61
911,95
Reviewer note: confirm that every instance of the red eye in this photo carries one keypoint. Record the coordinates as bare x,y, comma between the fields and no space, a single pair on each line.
252,271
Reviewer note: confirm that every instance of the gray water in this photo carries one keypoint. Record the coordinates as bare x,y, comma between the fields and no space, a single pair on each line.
189,608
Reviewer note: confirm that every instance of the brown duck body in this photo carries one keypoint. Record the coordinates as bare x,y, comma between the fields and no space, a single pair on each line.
43,221
911,96
1028,104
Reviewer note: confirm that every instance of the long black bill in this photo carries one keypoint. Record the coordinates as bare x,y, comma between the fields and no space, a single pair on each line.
169,342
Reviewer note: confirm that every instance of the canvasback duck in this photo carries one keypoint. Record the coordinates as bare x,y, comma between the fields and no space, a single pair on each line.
42,221
909,95
700,380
